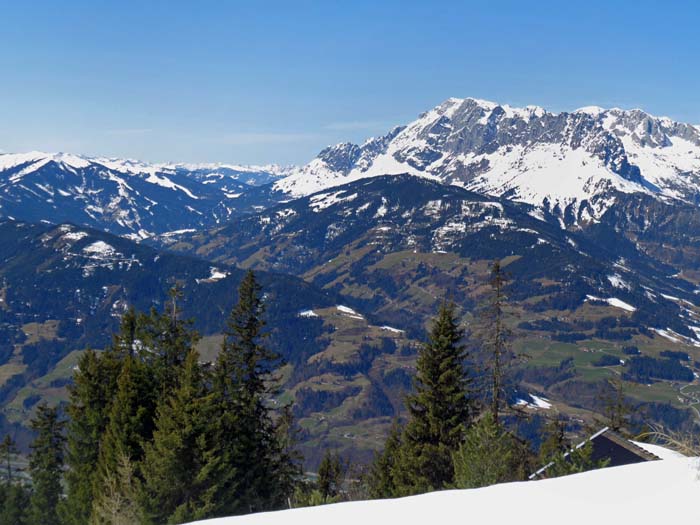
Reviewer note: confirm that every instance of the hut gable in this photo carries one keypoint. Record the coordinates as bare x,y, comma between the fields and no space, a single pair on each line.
608,444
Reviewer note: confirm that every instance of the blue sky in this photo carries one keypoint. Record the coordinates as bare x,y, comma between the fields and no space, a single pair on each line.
255,82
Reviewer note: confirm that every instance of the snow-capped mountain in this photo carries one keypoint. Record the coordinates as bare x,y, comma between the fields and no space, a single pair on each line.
123,196
572,164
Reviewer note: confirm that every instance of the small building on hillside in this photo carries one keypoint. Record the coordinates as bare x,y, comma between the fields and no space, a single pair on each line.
608,444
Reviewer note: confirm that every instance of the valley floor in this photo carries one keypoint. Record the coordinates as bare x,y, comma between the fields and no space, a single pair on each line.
647,493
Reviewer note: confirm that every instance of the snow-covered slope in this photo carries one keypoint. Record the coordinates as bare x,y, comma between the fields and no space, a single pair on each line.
666,152
651,493
123,196
568,163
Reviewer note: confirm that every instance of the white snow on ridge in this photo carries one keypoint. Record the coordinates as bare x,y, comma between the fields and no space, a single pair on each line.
74,236
215,274
650,493
349,312
308,313
174,233
167,183
100,249
613,301
591,110
541,402
675,337
326,200
547,171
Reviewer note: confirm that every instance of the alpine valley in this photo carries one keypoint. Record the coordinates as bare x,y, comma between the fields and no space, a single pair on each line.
594,214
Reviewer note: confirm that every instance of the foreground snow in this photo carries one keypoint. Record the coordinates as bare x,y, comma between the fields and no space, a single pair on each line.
655,492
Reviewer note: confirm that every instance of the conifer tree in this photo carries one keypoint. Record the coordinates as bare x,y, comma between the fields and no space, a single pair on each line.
8,448
168,339
46,466
439,410
91,395
14,496
14,502
488,455
330,475
578,459
175,487
130,422
118,501
243,383
380,479
554,442
289,459
125,341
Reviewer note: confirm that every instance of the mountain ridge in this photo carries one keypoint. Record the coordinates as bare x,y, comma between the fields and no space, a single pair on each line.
123,196
556,161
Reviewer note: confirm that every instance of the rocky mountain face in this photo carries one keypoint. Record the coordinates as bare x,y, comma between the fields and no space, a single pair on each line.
572,165
124,197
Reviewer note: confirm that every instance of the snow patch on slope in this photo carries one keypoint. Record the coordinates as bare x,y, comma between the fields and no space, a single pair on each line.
100,249
613,301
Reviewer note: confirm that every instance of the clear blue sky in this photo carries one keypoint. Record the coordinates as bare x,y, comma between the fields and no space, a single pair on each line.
255,82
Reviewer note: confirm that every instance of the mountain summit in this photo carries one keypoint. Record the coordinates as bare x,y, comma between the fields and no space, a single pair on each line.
570,164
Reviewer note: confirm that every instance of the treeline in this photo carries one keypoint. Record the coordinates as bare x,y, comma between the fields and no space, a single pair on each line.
644,369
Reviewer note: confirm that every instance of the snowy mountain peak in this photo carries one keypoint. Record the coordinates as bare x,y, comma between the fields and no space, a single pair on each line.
590,110
570,164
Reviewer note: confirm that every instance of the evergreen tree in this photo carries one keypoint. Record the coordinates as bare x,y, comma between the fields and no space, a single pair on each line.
8,448
331,472
175,487
289,459
439,410
168,340
578,459
118,503
243,383
14,502
554,442
91,395
46,466
381,475
125,341
488,455
130,422
14,497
